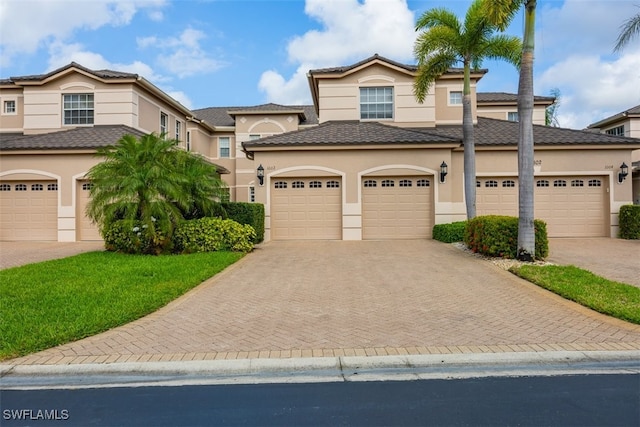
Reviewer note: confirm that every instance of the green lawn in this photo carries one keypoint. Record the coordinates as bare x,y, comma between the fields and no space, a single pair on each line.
605,296
50,303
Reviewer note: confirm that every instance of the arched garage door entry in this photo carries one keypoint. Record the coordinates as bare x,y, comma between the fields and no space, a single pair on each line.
306,208
572,206
28,210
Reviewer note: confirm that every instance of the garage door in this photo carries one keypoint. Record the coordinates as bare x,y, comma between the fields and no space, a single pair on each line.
571,206
29,210
306,208
87,230
397,208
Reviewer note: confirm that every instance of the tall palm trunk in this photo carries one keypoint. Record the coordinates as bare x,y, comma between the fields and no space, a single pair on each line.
469,145
526,231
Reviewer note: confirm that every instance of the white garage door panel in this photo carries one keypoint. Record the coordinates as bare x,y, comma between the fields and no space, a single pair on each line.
29,210
307,212
396,212
87,230
569,209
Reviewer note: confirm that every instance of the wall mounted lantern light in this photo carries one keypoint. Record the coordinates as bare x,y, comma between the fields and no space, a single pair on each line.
443,171
624,171
260,174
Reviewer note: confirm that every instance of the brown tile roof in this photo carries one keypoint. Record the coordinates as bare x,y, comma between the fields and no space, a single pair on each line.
494,132
488,132
408,67
82,138
491,97
105,74
349,133
223,116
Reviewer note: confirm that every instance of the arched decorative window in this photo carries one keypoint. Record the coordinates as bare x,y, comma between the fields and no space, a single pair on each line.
423,183
370,183
577,183
52,187
491,183
509,183
388,183
297,184
559,183
405,183
87,186
595,183
315,184
542,183
5,187
333,184
37,187
280,184
21,187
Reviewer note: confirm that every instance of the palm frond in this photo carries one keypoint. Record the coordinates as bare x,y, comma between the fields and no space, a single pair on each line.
629,30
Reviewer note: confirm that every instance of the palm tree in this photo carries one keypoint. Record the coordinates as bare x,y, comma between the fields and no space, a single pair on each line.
445,42
500,13
150,182
629,30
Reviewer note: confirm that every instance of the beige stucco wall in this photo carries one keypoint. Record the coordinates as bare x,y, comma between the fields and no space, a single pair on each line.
502,113
12,122
339,99
447,114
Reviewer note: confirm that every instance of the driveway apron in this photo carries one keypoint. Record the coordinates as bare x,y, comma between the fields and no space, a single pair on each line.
331,298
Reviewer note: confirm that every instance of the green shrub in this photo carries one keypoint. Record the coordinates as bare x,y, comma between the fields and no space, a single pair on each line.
630,222
497,236
449,233
213,234
132,237
247,213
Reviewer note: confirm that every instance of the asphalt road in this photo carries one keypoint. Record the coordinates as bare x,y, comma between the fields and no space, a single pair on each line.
575,400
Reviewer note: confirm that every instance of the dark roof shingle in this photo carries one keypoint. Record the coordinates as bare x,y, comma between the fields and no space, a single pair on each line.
349,133
508,97
222,116
77,138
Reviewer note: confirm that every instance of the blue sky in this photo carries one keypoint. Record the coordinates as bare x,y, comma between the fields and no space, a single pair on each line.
239,52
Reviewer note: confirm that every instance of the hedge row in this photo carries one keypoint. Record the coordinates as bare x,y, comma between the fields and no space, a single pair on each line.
630,222
449,233
194,235
247,213
497,236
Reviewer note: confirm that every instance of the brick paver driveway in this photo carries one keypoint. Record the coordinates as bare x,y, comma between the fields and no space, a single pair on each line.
333,298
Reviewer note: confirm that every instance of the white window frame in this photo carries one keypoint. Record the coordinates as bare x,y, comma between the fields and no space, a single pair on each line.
5,103
73,102
453,100
228,147
188,142
379,101
164,124
178,130
512,116
615,131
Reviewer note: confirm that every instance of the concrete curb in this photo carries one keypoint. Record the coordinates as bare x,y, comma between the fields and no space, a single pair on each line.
311,365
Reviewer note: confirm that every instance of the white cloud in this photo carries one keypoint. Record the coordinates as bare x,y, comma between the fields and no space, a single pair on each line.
574,53
183,55
592,88
351,31
27,25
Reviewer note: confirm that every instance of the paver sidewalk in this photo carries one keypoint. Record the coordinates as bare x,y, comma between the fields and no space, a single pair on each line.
340,298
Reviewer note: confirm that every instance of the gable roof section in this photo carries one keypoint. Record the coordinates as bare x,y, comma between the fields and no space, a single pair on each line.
101,74
487,132
493,132
351,133
225,116
509,98
633,112
81,138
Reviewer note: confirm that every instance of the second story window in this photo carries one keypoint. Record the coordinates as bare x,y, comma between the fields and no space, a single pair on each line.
178,130
9,107
512,116
77,109
616,131
224,142
164,124
188,144
376,103
455,98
